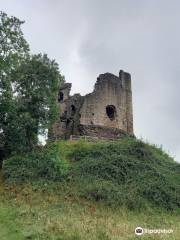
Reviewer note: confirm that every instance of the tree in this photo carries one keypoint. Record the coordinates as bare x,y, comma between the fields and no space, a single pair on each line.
13,48
36,85
29,87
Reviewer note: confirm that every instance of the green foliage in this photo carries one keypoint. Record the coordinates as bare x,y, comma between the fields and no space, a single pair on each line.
43,163
125,173
13,46
27,213
13,49
28,90
128,172
112,194
37,83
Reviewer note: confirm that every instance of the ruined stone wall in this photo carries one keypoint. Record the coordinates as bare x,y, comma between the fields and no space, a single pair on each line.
109,91
69,120
127,94
106,112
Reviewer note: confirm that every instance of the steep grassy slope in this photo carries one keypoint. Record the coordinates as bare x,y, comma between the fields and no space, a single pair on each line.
95,191
55,212
127,172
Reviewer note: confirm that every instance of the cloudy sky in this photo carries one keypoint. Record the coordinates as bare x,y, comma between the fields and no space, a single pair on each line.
89,37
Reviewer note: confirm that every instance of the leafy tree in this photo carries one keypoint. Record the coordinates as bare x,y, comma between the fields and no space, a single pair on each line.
28,90
13,48
36,84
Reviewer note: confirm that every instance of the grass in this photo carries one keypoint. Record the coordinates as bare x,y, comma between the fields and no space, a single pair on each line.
93,191
28,213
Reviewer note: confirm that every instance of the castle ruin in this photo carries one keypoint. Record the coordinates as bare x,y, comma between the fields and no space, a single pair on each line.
104,113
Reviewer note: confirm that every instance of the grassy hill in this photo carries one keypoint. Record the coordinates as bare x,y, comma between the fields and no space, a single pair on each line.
79,190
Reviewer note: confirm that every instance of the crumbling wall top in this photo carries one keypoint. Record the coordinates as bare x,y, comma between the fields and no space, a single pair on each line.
65,85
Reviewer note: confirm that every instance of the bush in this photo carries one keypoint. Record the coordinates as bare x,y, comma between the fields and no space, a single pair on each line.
111,194
42,163
128,172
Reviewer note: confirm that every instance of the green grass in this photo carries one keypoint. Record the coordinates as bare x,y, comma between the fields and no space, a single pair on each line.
79,190
28,213
127,172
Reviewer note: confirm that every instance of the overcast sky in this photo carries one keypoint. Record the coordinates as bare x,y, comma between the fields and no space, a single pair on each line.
89,37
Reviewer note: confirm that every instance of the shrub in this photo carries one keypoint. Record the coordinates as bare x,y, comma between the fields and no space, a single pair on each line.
112,194
42,163
128,172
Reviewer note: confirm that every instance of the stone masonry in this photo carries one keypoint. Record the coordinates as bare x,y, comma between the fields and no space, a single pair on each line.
104,113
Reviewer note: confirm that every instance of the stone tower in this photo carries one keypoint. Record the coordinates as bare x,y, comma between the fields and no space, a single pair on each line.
104,113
